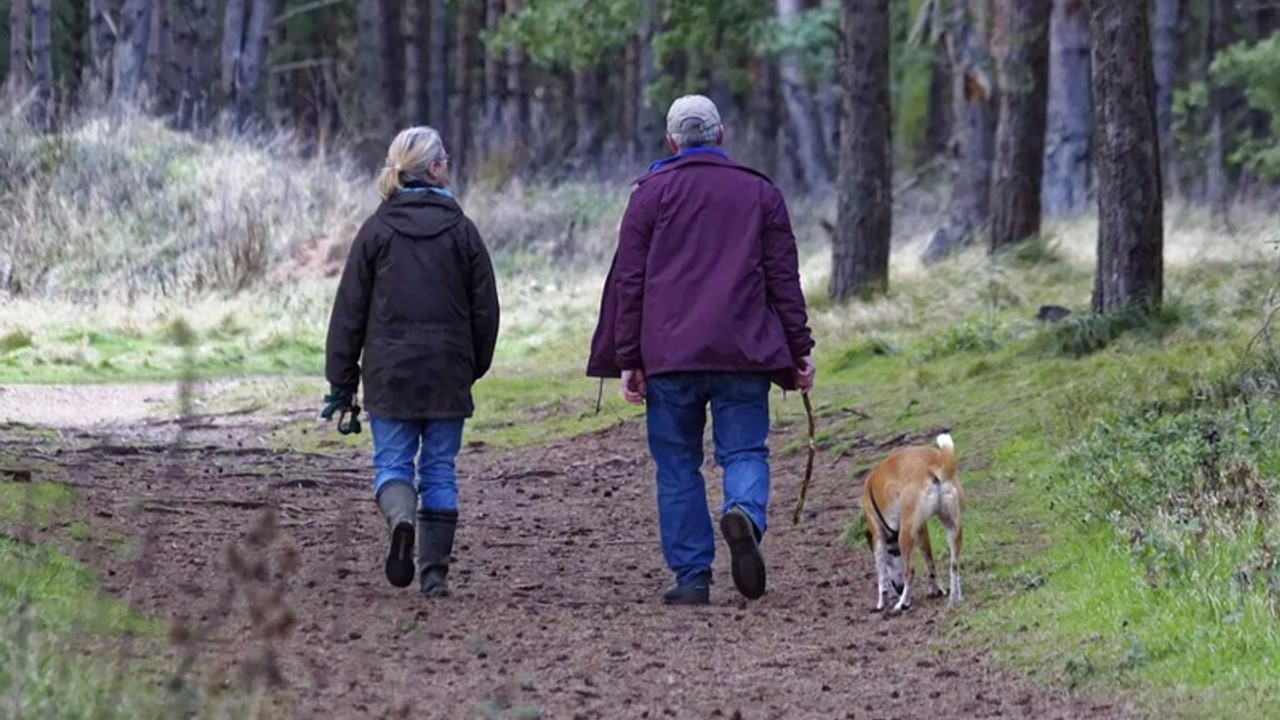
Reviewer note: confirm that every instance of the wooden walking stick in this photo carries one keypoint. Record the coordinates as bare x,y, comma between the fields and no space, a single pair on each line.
808,468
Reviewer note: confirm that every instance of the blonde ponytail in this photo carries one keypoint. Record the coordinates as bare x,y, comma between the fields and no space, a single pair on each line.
411,153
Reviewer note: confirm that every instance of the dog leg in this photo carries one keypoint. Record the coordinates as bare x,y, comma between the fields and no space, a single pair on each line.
906,544
954,537
926,549
882,572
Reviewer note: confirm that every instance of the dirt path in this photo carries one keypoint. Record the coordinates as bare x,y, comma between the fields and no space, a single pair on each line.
556,591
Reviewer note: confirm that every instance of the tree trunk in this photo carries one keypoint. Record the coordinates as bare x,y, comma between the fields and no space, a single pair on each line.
78,56
1219,188
460,105
19,49
495,82
393,61
938,126
42,55
97,84
1019,163
762,118
163,72
586,100
438,84
974,96
650,125
233,31
248,104
631,98
806,144
1130,220
192,51
860,250
1067,163
371,90
129,63
1168,15
415,98
516,113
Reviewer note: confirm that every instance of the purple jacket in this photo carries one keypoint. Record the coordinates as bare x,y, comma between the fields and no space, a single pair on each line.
705,277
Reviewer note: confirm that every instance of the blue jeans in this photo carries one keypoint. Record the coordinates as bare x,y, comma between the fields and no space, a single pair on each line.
676,414
434,444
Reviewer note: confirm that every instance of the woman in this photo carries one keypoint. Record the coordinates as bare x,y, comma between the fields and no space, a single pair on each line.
418,300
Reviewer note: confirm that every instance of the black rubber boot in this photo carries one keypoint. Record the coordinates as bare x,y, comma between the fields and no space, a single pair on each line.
398,502
435,547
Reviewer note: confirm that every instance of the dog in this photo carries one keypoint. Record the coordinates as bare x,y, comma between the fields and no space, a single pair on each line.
899,496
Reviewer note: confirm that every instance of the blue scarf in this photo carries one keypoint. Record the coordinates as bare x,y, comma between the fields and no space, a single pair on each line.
428,188
687,152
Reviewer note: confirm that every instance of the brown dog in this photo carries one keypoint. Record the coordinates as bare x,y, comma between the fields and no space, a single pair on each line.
899,496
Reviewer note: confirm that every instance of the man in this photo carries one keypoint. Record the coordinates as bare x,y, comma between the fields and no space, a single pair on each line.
703,306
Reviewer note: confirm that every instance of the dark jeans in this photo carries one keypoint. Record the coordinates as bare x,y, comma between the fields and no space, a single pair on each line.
676,410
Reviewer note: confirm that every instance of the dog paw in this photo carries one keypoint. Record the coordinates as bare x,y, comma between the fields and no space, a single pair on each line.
897,610
937,593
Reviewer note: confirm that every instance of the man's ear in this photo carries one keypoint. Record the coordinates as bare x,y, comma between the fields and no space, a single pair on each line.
671,143
720,136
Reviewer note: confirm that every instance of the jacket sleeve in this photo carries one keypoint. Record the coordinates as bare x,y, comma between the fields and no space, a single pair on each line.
485,313
349,318
782,276
632,263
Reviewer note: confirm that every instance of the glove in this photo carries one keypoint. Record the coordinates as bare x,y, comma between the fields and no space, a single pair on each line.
340,401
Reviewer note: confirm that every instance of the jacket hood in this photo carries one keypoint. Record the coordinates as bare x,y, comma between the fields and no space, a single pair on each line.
420,213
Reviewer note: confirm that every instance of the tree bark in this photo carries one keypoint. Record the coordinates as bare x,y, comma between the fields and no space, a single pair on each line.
1219,188
19,48
193,49
1130,219
438,84
78,54
233,31
393,86
516,113
370,68
974,96
762,118
631,92
586,100
97,83
129,63
248,104
938,126
415,98
1020,136
860,250
495,81
42,55
1067,164
650,126
460,105
806,144
1168,16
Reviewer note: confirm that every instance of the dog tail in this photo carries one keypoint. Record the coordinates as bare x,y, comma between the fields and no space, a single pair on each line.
948,447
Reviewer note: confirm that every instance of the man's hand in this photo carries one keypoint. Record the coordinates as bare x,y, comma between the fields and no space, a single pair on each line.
805,373
633,386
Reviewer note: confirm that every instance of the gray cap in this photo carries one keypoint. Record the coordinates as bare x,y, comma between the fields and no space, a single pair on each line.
692,113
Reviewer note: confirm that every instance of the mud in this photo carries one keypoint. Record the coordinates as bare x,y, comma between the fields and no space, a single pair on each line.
556,608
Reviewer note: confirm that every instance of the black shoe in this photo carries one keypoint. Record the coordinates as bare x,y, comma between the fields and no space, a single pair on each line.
435,530
398,502
747,562
694,592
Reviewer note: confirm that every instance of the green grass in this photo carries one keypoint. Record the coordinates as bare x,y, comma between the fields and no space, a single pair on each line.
61,657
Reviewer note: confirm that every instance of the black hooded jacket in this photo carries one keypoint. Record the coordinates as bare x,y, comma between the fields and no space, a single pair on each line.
418,299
